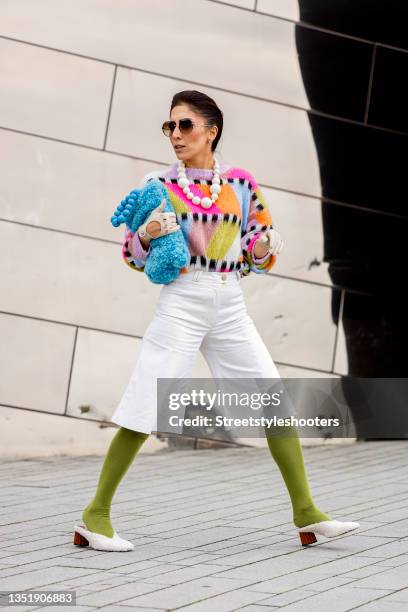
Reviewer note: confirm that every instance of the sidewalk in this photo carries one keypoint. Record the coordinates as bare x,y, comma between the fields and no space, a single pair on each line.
212,532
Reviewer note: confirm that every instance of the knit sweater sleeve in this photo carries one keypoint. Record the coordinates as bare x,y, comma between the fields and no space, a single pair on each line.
137,261
259,221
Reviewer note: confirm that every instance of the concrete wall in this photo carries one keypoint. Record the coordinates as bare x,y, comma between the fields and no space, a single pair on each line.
86,86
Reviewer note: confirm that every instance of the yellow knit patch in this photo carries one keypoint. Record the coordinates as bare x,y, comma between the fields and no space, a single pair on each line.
222,239
177,203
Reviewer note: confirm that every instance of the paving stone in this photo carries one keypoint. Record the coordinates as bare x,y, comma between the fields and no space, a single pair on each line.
394,578
399,596
338,599
40,578
190,593
383,605
209,537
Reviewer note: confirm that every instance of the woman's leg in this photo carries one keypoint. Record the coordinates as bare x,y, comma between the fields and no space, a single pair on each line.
123,448
285,448
234,349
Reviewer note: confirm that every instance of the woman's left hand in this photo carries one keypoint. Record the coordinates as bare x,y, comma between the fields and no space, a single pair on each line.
273,240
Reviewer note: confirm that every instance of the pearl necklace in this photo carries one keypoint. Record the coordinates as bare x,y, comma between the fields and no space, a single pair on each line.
184,183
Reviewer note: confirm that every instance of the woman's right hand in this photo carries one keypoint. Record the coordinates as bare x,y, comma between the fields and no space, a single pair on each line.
158,223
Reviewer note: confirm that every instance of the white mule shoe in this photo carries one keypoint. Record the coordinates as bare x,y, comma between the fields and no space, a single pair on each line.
84,537
330,529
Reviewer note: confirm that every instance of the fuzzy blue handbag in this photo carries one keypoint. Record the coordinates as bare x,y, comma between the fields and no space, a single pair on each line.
168,254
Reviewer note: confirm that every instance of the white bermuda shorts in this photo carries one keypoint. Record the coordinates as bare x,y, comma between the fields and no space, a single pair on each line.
203,311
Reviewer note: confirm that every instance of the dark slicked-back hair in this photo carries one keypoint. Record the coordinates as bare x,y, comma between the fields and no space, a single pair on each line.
204,105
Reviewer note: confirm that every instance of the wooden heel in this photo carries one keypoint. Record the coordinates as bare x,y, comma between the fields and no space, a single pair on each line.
307,537
79,539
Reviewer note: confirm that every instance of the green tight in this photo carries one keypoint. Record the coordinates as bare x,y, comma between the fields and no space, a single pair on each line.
123,448
283,444
286,450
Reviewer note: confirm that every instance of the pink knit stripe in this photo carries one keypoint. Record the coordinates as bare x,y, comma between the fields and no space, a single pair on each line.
197,192
127,236
251,244
241,173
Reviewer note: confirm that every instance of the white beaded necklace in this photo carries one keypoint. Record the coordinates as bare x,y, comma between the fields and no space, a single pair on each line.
184,183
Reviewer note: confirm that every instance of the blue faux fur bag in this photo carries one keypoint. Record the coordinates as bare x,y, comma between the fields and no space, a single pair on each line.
168,254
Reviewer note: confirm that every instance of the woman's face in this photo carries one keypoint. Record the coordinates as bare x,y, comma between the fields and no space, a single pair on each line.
196,142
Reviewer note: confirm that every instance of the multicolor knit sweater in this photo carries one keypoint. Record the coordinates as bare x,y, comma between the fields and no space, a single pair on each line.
219,238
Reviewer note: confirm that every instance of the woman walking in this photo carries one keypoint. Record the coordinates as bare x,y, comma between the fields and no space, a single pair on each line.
228,229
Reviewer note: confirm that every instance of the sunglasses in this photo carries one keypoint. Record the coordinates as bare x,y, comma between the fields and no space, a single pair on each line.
185,126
